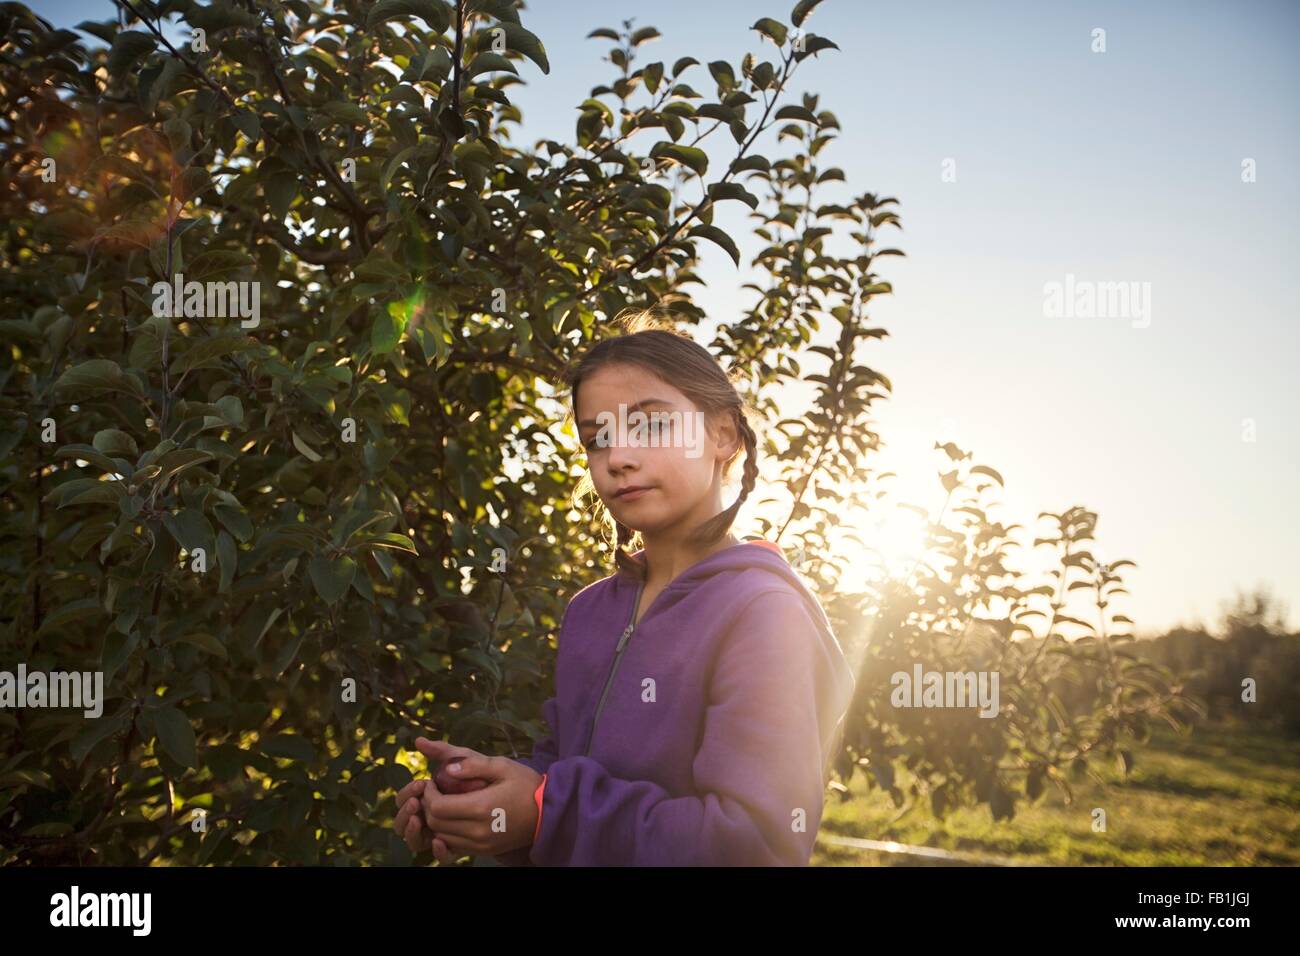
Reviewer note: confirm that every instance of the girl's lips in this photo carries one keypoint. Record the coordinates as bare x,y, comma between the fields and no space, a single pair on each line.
632,495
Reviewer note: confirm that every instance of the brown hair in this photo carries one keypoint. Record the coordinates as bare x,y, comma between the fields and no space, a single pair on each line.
651,341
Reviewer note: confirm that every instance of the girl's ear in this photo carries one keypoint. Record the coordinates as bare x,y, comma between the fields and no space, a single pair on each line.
726,434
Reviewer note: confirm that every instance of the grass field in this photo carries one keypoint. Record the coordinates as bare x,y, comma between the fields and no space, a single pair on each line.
1222,796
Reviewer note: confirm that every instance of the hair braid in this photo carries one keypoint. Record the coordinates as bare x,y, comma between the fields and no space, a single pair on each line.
720,524
622,559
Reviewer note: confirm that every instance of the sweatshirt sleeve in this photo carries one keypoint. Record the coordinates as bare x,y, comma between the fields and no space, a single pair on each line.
758,792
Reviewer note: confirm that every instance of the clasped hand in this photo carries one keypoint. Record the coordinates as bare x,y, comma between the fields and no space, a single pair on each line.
453,812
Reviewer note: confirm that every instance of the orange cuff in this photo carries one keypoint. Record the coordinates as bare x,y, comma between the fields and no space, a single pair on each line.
537,798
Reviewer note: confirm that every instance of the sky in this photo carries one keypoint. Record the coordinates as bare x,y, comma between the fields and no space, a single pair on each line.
1175,422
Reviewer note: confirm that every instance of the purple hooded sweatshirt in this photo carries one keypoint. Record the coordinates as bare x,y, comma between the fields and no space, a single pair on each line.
700,737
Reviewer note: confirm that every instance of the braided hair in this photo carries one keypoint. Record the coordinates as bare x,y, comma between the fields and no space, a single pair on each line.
650,341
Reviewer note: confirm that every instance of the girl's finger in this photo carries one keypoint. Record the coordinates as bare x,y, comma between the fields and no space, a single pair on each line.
452,806
411,809
404,812
441,751
412,835
453,847
413,789
452,829
440,851
477,765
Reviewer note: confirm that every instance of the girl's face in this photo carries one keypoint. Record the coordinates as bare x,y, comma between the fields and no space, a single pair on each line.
674,459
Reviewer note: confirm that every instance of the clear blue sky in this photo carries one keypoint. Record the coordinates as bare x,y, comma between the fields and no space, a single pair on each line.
1123,166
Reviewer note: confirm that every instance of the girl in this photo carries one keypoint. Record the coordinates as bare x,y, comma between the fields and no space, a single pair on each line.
699,691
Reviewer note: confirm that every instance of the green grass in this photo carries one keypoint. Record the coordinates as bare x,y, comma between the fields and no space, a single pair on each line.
1222,796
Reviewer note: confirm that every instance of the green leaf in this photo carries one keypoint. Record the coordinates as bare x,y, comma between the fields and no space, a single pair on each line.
26,778
248,123
690,156
714,234
175,735
280,187
235,521
431,12
527,43
503,10
146,342
227,560
111,441
290,746
790,111
204,641
128,48
801,11
772,29
51,829
398,542
220,16
753,162
986,470
1002,804
489,62
211,841
286,655
719,191
813,44
311,454
210,350
158,81
177,461
99,730
232,409
394,164
191,529
271,618
386,330
653,74
331,577
96,374
723,74
83,490
68,612
218,262
178,132
346,112
1125,761
433,343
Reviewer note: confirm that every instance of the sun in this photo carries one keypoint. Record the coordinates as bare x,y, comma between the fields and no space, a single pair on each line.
892,537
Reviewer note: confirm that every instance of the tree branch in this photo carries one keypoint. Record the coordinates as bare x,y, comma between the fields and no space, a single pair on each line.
194,67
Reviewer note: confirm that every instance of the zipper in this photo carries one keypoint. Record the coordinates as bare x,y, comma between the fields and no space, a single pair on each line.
613,668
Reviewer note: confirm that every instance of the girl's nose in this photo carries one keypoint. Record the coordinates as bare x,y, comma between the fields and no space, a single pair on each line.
622,456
